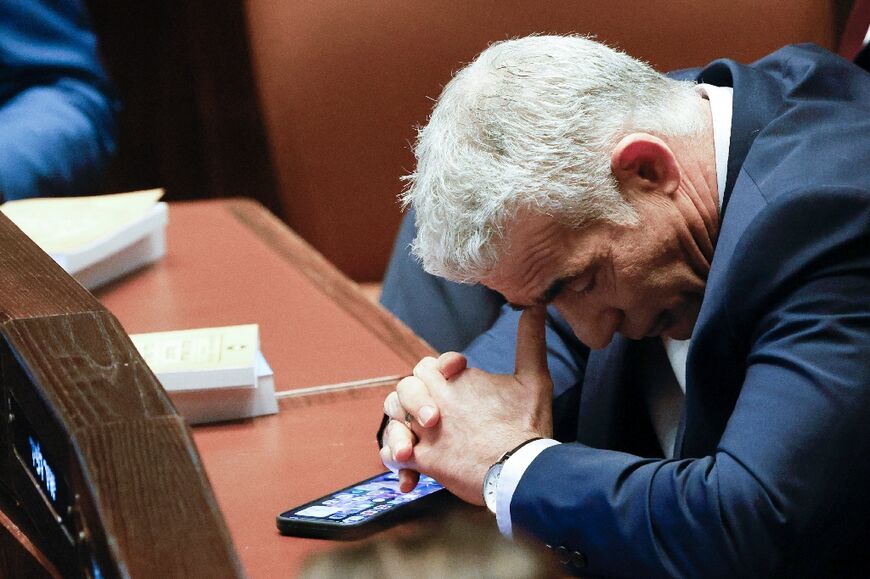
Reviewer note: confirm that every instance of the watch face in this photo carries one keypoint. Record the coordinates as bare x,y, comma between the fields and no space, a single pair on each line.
490,485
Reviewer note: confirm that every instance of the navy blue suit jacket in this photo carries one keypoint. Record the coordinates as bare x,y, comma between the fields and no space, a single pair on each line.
772,468
57,108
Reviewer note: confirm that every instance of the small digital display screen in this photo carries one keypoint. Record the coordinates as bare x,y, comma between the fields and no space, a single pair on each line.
364,501
43,471
31,451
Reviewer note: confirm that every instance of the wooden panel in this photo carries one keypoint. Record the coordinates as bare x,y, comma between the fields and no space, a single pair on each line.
31,284
96,466
88,369
123,454
332,282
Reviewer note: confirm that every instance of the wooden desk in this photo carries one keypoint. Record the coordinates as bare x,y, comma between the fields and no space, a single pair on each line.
231,262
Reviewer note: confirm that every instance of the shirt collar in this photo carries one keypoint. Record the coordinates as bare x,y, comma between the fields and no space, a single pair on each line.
721,103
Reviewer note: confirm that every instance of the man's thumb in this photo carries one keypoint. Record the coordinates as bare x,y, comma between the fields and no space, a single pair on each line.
451,363
531,361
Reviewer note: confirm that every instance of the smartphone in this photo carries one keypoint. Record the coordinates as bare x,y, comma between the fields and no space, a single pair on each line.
361,509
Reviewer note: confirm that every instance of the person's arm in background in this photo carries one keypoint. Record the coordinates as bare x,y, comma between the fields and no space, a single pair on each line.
446,314
57,107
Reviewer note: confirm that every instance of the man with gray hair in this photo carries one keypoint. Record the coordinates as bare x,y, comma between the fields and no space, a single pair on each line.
706,235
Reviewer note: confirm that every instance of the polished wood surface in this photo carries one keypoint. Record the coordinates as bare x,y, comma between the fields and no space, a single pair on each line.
335,356
232,262
96,468
261,467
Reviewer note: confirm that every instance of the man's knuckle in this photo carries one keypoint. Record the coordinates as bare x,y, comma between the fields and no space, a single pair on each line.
426,367
391,431
404,388
403,383
389,404
428,363
398,409
412,390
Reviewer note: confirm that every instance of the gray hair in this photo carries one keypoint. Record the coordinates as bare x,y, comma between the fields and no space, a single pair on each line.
532,123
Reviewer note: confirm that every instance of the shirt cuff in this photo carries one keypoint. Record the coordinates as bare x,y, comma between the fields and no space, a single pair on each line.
510,476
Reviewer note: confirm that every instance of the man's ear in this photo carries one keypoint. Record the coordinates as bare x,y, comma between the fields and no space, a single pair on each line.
644,163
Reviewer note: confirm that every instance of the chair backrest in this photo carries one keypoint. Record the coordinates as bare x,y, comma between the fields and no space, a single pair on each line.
343,84
97,470
855,41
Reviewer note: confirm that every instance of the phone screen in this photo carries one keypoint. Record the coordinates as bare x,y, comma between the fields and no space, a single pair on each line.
355,505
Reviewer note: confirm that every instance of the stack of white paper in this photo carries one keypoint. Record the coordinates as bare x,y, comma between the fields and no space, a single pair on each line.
95,239
211,374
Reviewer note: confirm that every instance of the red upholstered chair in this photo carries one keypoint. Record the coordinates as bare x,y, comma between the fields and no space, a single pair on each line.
342,85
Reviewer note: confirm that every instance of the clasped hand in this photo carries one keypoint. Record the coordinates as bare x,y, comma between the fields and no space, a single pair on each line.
452,422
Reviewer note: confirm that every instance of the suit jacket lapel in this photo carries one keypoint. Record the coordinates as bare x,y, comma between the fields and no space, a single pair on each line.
756,101
756,97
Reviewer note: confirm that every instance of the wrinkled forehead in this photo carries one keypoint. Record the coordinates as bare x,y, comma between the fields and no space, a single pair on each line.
530,241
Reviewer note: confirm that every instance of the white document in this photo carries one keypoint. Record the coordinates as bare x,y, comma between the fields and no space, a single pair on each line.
211,374
222,404
203,358
96,239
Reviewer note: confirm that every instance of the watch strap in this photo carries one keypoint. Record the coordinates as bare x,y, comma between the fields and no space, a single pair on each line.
512,451
492,476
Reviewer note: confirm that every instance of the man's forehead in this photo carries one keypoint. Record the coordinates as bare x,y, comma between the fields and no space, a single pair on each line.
524,227
532,240
541,249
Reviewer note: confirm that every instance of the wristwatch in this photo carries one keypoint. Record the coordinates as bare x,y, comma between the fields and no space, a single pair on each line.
490,481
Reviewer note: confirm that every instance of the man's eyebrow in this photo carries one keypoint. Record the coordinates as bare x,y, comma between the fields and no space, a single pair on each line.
551,292
555,288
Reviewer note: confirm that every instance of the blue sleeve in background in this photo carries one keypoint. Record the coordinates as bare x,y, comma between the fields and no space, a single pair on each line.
57,106
495,350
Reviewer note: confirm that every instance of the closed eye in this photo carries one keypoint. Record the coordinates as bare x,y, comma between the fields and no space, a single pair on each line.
581,283
585,283
554,290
